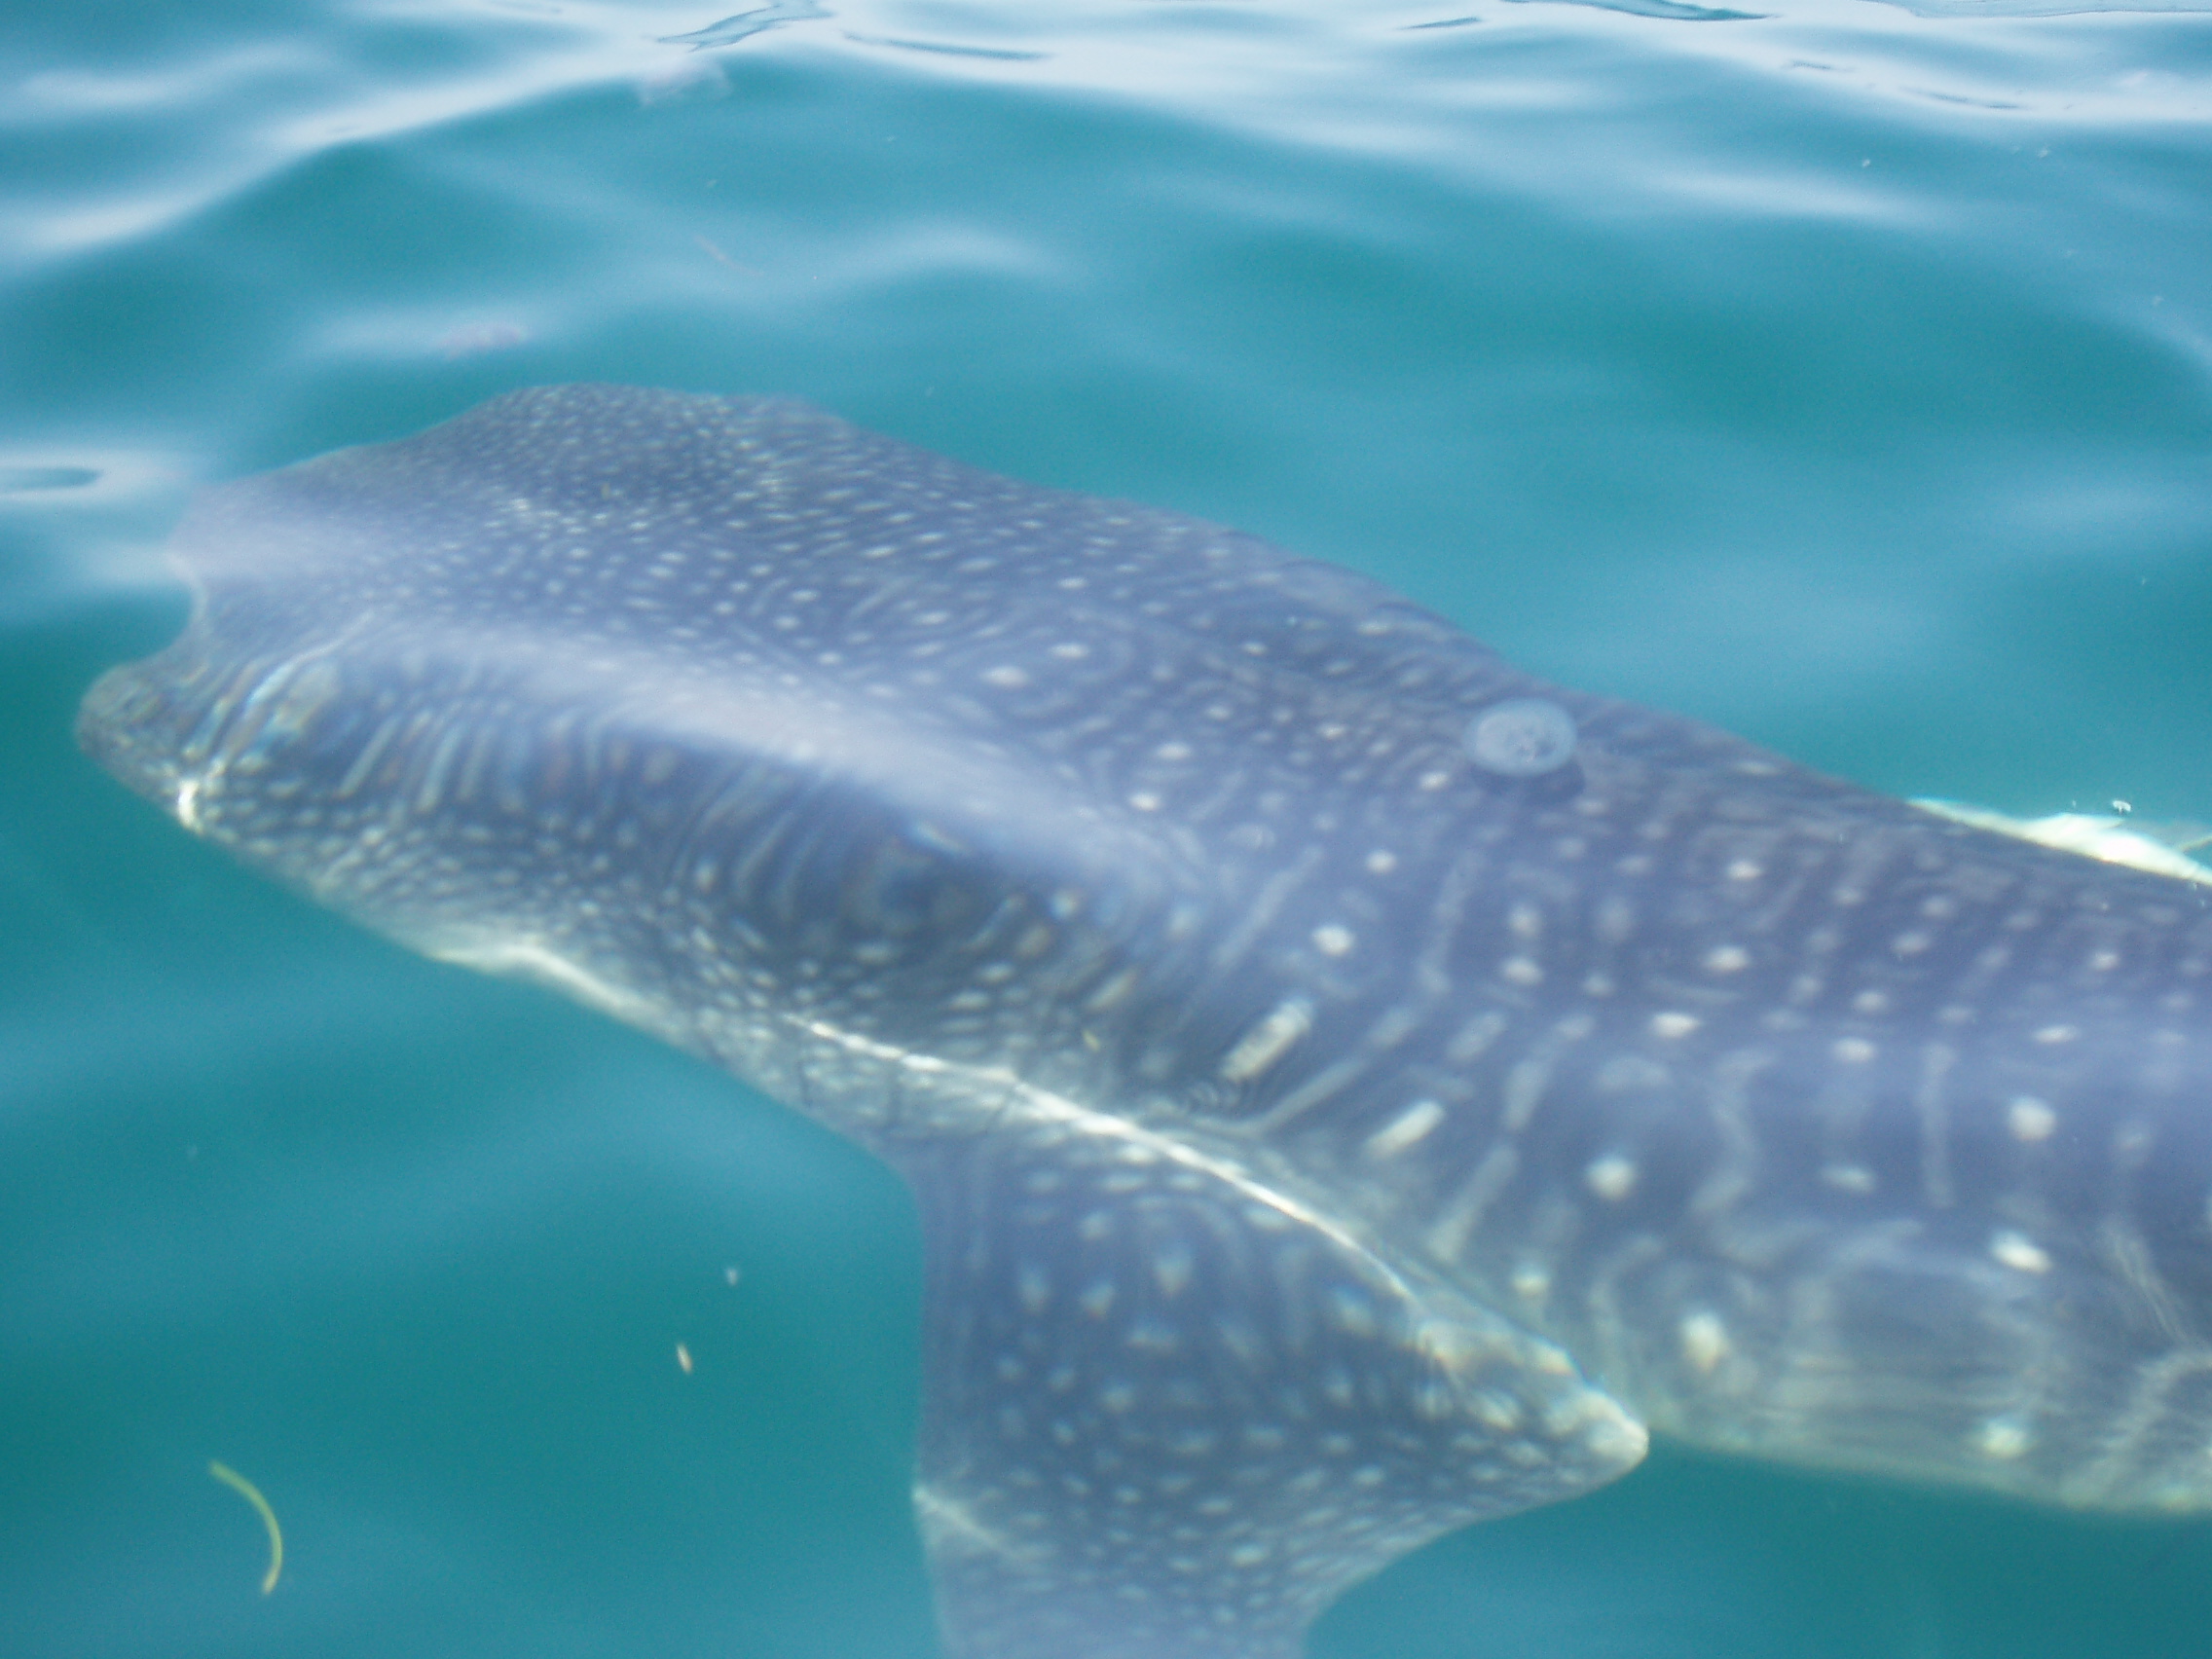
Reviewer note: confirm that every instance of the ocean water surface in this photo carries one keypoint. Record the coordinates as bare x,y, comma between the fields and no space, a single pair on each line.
1840,374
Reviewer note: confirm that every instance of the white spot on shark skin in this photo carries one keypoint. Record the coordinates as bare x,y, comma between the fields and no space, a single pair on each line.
1268,1041
2020,1252
2052,1035
1172,1267
1380,863
2030,1120
1727,959
1007,676
1612,1177
1853,1051
2004,1438
1463,1214
1520,971
1475,1038
1531,1281
1154,1335
1671,1025
1855,1178
1332,938
1524,1092
1405,1130
1705,1341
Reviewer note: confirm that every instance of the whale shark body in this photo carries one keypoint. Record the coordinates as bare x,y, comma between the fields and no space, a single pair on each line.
1351,1088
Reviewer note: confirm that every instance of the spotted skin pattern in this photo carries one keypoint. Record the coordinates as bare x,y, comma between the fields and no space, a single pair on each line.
1324,1138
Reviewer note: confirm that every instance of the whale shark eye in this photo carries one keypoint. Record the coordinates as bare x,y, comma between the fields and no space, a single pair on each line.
1521,737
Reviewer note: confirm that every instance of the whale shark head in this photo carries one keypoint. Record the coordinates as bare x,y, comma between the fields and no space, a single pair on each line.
1352,1088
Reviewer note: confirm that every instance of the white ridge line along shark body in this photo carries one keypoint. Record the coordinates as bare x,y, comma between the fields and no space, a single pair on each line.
1350,1089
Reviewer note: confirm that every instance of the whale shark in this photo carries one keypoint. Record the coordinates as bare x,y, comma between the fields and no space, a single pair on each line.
1352,1088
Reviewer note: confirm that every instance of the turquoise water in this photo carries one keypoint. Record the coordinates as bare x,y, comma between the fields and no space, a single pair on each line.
1842,375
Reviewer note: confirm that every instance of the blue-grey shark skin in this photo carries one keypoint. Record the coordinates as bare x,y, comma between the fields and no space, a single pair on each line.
1323,1138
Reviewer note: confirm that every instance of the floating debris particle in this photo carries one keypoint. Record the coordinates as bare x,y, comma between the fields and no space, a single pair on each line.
247,1490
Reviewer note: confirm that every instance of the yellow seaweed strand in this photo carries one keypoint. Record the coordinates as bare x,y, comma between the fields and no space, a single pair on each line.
247,1490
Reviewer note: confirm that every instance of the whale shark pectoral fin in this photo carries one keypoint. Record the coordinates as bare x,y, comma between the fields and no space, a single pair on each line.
1170,1412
